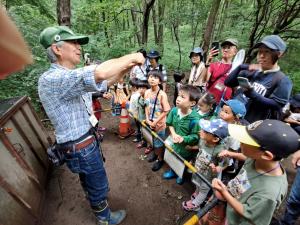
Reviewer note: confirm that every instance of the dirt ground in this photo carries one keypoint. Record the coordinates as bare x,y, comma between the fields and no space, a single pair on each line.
147,198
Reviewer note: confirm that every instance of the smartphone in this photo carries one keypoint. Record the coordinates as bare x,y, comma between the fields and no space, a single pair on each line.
244,82
215,45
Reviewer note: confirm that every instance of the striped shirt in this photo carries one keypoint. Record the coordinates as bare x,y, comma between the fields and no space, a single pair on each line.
67,99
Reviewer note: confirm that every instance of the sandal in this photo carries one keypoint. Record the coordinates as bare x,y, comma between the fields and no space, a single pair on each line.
148,150
141,144
190,206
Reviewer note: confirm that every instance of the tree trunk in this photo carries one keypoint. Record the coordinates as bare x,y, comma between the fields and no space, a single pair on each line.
147,9
175,29
128,27
210,24
155,25
193,18
135,24
195,33
63,8
222,18
161,17
105,30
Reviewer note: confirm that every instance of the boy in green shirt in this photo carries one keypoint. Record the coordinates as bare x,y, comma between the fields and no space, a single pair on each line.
261,185
183,125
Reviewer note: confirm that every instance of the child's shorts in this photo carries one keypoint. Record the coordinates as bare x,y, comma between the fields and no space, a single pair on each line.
157,143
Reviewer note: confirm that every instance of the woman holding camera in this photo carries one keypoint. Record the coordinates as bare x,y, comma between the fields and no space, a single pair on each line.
218,71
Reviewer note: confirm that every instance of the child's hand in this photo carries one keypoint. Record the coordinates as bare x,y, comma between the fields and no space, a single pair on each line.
219,188
153,124
177,138
290,120
213,167
224,154
149,122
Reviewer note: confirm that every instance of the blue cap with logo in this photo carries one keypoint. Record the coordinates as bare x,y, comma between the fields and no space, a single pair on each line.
273,42
238,108
272,135
217,127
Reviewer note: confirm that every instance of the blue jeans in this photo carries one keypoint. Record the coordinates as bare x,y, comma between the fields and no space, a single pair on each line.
292,211
88,163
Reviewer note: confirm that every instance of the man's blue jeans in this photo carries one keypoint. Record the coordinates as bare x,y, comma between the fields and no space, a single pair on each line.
292,211
88,163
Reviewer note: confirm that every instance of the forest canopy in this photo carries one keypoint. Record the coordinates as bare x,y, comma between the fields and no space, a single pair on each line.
173,27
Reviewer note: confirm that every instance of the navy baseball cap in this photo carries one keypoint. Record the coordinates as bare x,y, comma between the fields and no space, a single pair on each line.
273,42
217,127
270,135
153,54
238,108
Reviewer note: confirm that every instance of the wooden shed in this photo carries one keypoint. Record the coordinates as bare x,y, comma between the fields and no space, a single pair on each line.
23,162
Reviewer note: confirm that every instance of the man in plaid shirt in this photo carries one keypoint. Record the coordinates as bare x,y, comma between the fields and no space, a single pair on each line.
65,93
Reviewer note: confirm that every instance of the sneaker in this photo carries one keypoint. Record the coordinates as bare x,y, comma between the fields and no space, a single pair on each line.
115,218
152,157
190,206
179,181
135,140
157,165
170,174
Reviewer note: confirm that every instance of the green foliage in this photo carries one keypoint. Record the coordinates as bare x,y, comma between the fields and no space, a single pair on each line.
112,33
25,82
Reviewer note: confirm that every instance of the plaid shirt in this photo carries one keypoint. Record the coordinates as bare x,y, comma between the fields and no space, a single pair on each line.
66,97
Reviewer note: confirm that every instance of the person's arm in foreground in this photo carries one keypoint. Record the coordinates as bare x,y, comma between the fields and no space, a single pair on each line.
222,193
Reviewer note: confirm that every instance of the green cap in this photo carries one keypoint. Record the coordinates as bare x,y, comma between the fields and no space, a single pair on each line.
51,35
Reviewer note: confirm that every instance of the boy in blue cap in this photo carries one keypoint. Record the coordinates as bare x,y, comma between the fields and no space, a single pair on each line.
211,135
232,112
261,185
268,89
